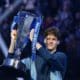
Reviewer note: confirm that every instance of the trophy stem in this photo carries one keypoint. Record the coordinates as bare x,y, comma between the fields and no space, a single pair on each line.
17,53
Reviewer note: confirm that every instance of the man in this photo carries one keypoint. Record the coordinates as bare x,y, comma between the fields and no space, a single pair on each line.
50,64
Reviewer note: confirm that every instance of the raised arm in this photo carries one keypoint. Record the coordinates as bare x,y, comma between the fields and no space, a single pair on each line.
13,41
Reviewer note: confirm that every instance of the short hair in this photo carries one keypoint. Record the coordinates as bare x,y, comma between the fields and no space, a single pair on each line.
52,30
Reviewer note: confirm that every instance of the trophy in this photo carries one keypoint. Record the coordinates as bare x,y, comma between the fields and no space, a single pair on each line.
22,22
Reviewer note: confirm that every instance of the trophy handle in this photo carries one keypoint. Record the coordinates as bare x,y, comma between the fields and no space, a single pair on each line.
35,36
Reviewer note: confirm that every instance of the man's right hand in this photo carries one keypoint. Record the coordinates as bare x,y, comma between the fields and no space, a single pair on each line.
14,34
31,34
13,41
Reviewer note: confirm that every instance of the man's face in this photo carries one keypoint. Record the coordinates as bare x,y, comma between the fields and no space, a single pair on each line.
51,42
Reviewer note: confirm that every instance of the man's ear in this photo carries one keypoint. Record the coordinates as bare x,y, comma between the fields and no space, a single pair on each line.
58,42
45,41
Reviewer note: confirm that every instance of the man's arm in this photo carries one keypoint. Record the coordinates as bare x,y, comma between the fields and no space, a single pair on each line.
12,46
13,42
26,51
57,62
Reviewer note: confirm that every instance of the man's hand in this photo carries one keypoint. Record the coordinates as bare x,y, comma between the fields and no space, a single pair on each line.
13,41
38,45
31,34
14,34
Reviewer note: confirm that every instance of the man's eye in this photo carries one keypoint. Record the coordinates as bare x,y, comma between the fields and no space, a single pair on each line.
48,38
53,39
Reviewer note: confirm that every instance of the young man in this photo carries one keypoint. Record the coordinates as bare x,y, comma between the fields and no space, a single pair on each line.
50,64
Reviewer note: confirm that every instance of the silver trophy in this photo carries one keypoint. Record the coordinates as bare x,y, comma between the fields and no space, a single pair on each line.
22,22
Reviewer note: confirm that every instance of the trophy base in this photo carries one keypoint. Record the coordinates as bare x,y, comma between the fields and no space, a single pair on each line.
10,72
13,68
14,63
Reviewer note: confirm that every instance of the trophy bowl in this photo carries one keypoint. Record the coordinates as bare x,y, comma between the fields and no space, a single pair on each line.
24,21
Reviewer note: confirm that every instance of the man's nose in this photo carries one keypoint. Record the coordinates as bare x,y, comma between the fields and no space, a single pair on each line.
51,41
